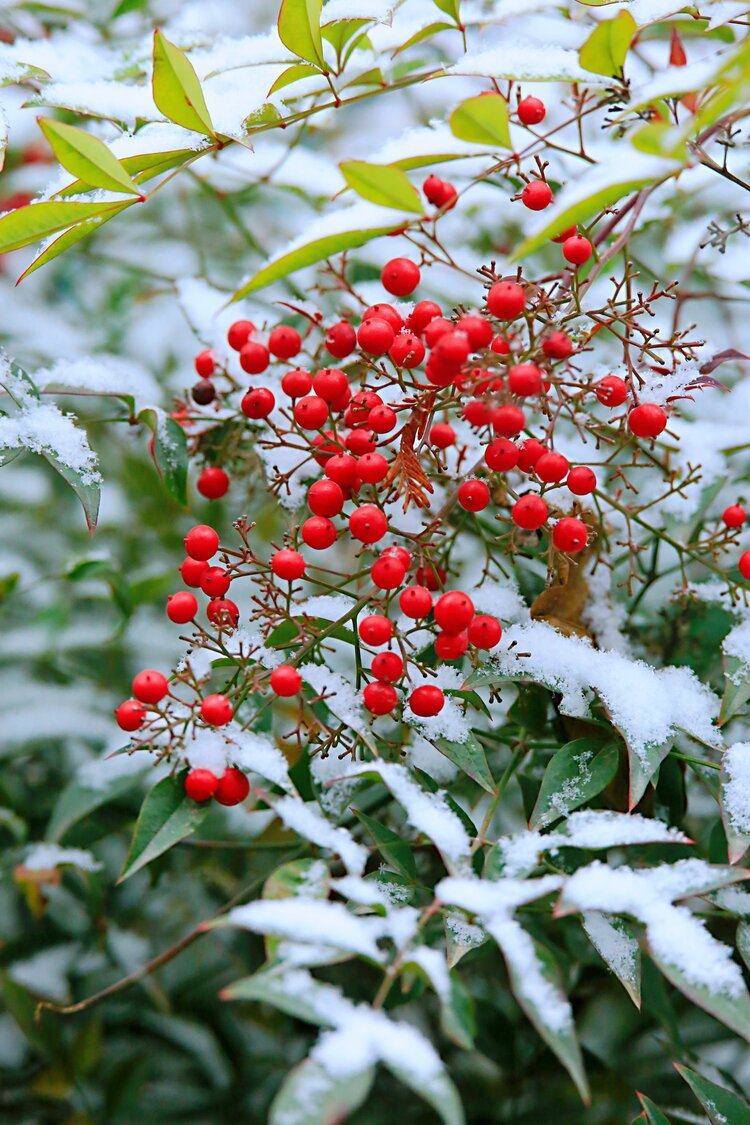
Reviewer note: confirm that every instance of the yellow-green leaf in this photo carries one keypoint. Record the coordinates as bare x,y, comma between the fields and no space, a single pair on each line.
605,49
383,184
299,29
482,120
177,90
293,74
69,238
87,157
28,224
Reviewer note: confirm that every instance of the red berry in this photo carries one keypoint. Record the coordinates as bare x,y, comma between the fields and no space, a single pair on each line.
239,333
380,698
375,336
213,483
382,419
375,629
297,383
258,403
330,384
501,455
525,380
216,710
647,420
536,195
577,249
360,442
564,235
341,339
223,612
441,435
150,686
485,631
360,407
529,513
182,607
531,111
744,564
400,553
529,452
215,582
285,681
254,358
233,787
325,498
558,345
508,421
477,330
200,785
318,532
284,342
734,516
473,495
421,315
192,570
201,542
433,577
611,390
500,346
311,412
415,601
450,647
439,192
453,612
400,276
368,523
570,535
427,701
407,350
383,311
477,413
437,327
581,480
372,468
552,467
130,715
451,351
342,468
387,667
387,572
506,299
204,363
288,564
327,446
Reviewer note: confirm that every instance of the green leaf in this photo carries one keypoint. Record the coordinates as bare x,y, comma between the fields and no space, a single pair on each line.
733,1011
299,29
736,687
87,157
652,1115
438,1091
482,120
177,91
28,224
298,877
70,238
87,490
293,74
722,1106
615,940
170,450
423,34
575,774
309,1095
384,184
738,840
166,817
605,49
393,849
450,7
269,986
78,800
469,756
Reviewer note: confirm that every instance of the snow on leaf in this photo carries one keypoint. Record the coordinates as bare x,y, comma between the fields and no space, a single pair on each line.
308,920
527,62
309,1095
306,820
735,799
614,940
575,774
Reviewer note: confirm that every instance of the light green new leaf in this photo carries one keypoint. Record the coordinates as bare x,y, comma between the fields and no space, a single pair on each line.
166,817
605,49
177,90
482,120
652,1115
575,774
87,157
383,184
70,238
170,450
28,224
722,1106
450,7
293,74
299,29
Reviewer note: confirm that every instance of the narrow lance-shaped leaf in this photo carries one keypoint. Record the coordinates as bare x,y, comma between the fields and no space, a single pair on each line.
605,49
299,29
87,157
615,941
735,808
574,775
722,1106
483,120
384,184
177,90
393,848
310,1095
170,450
166,817
470,757
28,224
652,1115
69,238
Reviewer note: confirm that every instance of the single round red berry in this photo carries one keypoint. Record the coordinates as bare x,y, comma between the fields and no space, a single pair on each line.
383,311
254,358
525,380
473,495
200,785
506,299
407,350
387,667
150,686
368,523
734,516
453,611
341,339
372,468
288,564
213,483
216,710
529,513
529,452
326,444
744,564
531,111
239,333
330,383
192,570
508,420
441,435
536,195
311,412
433,577
421,315
570,535
558,345
564,235
297,383
375,629
477,330
130,715
477,412
233,787
325,498
611,390
360,441
182,607
485,631
215,582
388,572
552,467
581,480
223,612
577,249
501,455
500,346
382,419
380,698
415,601
342,468
318,532
401,554
647,420
205,364
451,646
400,276
436,329
284,342
375,336
427,701
258,403
285,681
202,542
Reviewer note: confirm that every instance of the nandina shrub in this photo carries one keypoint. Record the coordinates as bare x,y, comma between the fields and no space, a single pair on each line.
454,725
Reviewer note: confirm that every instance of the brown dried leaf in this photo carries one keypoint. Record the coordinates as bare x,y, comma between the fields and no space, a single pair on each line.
564,600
